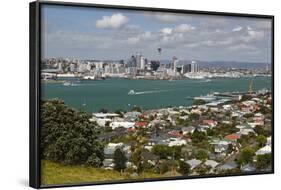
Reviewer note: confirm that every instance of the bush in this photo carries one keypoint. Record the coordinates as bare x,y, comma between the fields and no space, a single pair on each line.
119,160
201,155
67,136
184,168
263,161
246,156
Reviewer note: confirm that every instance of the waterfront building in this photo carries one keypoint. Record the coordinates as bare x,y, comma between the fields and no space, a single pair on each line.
132,62
174,64
142,62
194,67
186,68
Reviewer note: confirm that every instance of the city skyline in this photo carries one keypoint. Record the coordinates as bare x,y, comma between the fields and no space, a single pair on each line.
96,33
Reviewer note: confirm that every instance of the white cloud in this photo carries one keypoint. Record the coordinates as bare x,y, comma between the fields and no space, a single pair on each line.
166,17
141,37
114,21
237,29
166,31
184,28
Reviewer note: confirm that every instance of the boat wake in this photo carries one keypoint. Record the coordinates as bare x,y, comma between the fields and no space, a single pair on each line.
132,92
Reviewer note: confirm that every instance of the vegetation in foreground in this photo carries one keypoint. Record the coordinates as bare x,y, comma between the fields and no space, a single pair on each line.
55,173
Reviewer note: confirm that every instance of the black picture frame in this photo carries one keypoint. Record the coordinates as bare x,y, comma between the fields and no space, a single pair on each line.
35,94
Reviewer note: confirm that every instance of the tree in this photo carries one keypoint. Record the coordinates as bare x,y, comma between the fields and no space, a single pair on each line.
201,155
245,97
194,116
137,150
260,130
164,151
263,161
261,140
136,108
246,156
184,168
198,102
119,112
119,160
67,135
198,137
103,110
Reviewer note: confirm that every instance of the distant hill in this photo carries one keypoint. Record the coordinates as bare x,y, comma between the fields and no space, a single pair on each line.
224,64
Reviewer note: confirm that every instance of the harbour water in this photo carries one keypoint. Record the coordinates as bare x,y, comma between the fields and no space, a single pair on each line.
112,93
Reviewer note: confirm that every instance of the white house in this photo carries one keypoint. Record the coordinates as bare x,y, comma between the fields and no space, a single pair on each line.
125,124
264,150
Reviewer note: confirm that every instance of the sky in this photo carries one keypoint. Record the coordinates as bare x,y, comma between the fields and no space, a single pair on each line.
114,34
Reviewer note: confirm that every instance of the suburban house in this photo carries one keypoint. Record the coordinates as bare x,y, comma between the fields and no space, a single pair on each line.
193,163
232,137
264,150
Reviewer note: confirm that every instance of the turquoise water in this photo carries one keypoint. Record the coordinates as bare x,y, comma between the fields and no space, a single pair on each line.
112,93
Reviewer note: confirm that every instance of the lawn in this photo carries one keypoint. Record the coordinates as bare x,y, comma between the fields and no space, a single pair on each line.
54,173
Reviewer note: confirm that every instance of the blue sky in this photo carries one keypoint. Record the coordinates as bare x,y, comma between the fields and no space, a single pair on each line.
96,33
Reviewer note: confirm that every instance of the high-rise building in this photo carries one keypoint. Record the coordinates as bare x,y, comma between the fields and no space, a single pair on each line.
174,63
194,67
142,63
132,62
60,66
138,60
186,68
154,65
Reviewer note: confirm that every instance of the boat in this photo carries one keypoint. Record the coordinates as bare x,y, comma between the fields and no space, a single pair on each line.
87,77
208,97
131,92
67,84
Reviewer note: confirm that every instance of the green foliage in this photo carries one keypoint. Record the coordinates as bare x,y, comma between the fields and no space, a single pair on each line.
198,102
265,110
194,116
137,151
164,151
260,130
248,115
67,136
166,166
261,140
263,161
119,160
201,155
198,137
103,110
136,108
246,156
245,97
119,112
56,173
184,168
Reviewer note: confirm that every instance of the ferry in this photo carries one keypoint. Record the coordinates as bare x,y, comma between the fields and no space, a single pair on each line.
131,92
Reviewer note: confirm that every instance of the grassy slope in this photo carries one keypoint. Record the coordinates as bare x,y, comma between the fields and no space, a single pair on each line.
54,173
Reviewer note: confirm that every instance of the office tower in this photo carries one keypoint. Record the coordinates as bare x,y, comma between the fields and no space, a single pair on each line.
138,60
186,68
142,63
194,67
174,63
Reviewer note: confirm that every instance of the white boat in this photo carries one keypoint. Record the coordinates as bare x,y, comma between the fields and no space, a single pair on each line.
87,77
67,84
208,97
131,92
